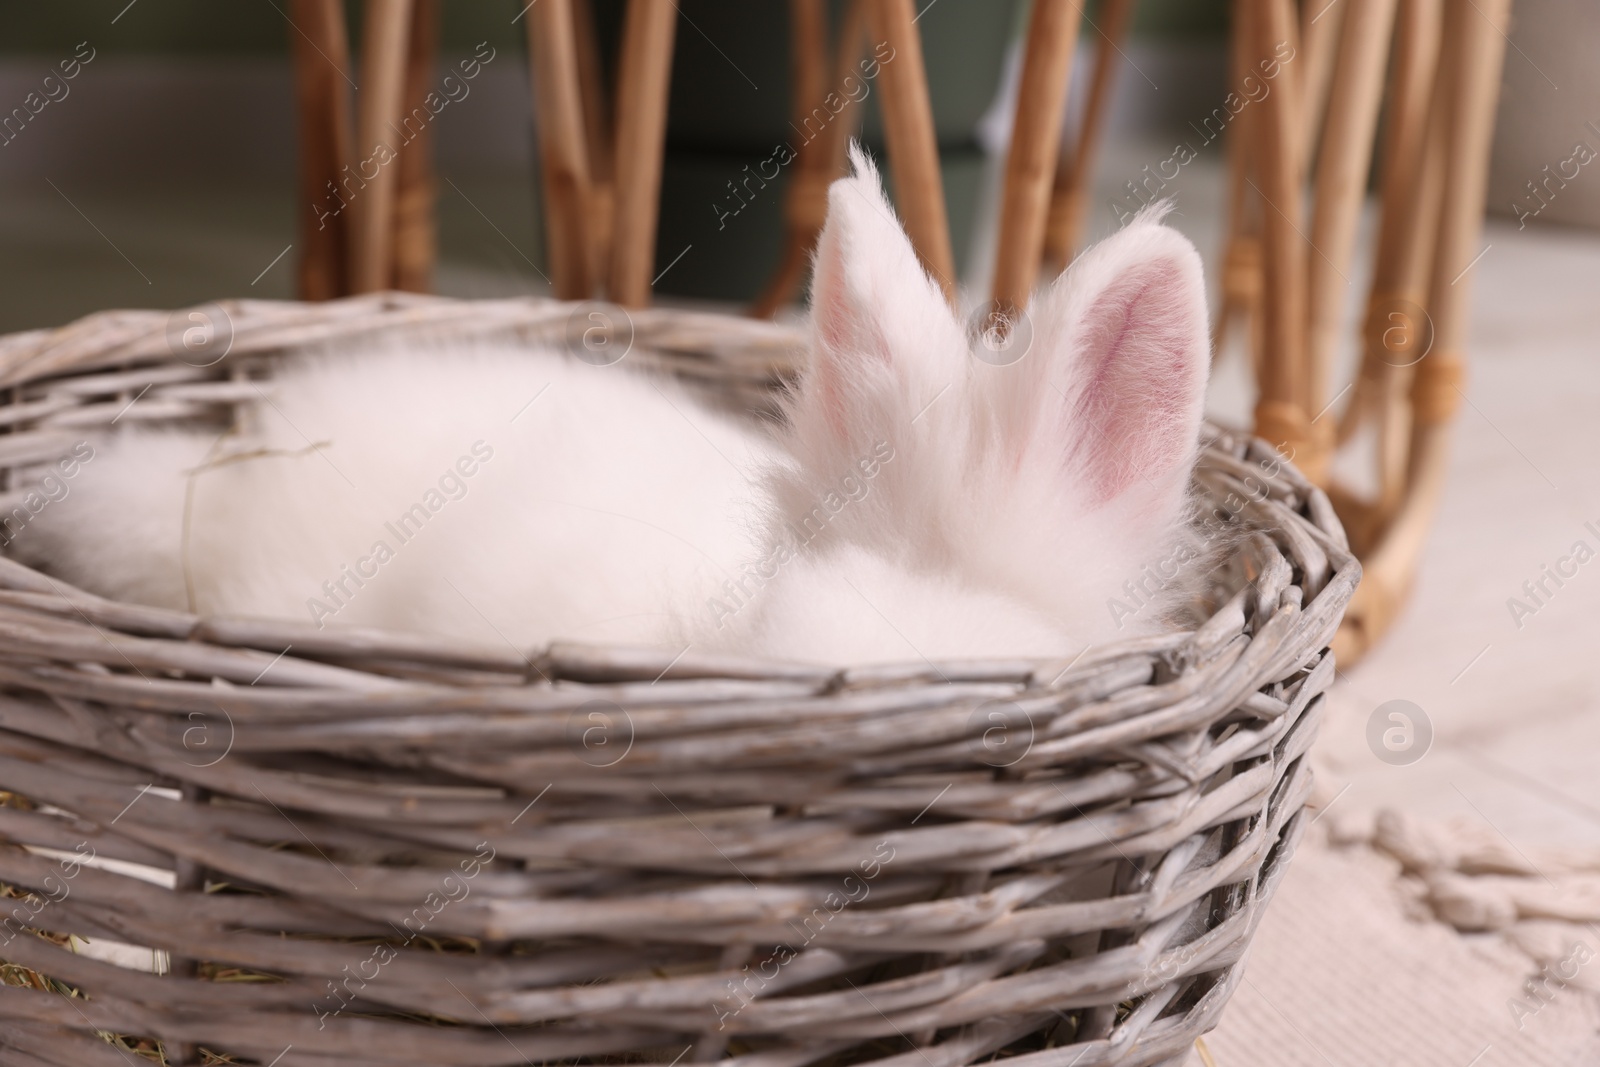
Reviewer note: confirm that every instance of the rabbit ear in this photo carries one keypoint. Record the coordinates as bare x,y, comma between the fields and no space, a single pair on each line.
877,318
1131,361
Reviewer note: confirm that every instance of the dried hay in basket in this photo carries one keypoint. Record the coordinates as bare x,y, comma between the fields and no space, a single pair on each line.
403,850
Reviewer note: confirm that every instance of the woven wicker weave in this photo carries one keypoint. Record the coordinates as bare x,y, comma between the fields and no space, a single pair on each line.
450,854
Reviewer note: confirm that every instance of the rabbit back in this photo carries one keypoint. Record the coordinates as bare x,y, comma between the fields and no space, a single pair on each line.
483,491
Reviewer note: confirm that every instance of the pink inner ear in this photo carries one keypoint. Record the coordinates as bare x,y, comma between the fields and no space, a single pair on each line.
1131,419
830,320
843,332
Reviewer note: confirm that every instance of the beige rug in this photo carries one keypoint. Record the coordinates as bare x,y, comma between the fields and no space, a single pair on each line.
1399,942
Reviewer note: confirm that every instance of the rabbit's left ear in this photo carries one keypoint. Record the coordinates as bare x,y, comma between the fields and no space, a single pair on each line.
878,320
1126,354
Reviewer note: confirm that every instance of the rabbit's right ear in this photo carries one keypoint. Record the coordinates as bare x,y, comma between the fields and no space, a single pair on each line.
1118,388
883,337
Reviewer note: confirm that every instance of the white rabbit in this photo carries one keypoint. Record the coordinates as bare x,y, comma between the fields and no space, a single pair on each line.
920,503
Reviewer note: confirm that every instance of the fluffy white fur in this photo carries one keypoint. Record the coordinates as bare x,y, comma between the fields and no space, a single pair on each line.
600,514
921,503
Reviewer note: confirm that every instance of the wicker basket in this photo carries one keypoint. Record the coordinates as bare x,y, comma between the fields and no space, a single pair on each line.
384,849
